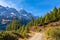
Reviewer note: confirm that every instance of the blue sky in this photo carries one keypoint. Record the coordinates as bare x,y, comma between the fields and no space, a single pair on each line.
36,7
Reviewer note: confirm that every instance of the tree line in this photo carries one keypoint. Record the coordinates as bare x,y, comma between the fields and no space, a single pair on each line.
52,16
16,26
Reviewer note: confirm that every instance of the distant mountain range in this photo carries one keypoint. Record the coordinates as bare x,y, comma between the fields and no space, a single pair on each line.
8,14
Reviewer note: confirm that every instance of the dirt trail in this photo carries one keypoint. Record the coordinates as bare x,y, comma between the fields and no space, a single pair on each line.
37,36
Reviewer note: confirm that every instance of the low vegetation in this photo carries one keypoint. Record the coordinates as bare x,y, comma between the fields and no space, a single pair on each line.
53,33
52,16
16,30
8,36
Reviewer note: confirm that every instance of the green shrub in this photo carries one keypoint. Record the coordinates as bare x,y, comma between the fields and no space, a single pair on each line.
7,36
53,33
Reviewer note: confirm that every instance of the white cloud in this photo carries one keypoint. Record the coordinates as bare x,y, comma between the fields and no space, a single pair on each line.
3,3
9,4
12,3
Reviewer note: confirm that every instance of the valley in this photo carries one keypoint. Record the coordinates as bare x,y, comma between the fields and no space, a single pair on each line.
23,25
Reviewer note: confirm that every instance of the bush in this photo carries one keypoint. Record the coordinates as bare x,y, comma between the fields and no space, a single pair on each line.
53,33
7,36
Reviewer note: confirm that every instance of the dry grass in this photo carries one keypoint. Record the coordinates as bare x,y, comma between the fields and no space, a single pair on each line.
52,33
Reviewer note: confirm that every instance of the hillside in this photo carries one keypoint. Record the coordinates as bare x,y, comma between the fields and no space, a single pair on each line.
49,25
21,25
8,14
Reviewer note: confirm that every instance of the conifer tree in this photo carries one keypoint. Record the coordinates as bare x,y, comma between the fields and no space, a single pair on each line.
52,16
47,18
41,20
55,11
22,29
8,28
14,25
58,14
36,22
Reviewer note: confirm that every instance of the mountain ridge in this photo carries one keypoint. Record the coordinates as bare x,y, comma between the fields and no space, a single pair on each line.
8,14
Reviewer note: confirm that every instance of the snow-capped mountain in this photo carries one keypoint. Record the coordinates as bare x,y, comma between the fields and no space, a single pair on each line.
8,14
12,13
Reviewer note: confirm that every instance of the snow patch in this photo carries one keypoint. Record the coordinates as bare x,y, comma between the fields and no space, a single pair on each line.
25,15
21,8
13,14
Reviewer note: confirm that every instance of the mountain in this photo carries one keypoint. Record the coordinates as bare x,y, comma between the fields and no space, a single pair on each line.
8,14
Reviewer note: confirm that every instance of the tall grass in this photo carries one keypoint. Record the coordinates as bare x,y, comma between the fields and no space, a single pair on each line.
53,33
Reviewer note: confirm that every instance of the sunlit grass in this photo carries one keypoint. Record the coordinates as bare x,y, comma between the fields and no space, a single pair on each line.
53,33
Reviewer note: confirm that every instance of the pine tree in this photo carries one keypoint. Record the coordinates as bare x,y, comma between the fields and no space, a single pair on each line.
36,22
58,14
25,30
32,20
55,11
14,25
8,28
47,18
18,24
59,10
22,29
52,16
41,20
